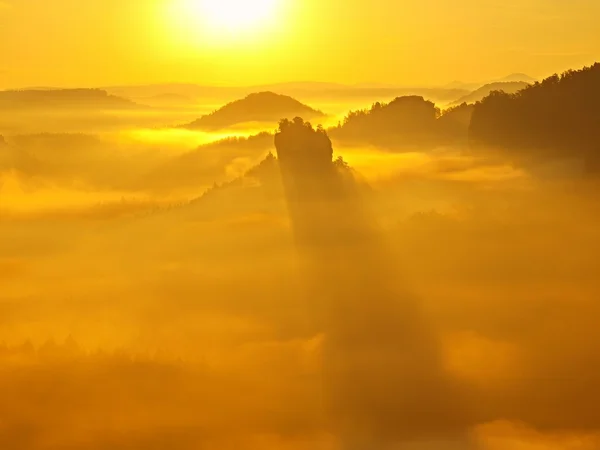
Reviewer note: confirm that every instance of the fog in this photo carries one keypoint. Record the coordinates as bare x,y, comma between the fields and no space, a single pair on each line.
163,287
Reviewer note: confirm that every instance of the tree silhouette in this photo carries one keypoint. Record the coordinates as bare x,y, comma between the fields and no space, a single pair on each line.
555,118
405,121
303,147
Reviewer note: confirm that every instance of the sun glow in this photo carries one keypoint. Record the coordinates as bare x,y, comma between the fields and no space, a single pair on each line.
239,14
228,17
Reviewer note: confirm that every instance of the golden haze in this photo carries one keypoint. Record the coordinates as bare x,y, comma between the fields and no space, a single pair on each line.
199,248
103,42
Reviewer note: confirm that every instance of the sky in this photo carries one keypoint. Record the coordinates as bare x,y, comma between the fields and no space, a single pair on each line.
409,42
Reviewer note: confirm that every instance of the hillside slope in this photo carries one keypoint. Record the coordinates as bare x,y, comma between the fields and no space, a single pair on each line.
510,87
258,107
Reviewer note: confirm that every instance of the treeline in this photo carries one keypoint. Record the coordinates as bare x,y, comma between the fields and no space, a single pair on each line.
556,118
405,122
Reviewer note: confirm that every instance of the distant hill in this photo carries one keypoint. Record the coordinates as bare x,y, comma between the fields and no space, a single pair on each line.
300,85
382,92
258,107
555,119
52,99
154,90
510,87
204,92
471,86
517,77
305,91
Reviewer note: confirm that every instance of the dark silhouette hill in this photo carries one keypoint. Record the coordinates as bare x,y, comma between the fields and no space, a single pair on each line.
452,126
258,107
54,99
405,121
187,90
510,87
555,118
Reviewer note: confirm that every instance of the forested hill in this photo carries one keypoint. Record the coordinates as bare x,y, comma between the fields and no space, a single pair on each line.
556,118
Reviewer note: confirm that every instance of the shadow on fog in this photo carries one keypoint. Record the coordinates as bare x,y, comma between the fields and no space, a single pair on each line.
382,364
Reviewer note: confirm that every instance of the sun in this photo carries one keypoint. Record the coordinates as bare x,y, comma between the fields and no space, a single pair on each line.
232,17
235,15
213,27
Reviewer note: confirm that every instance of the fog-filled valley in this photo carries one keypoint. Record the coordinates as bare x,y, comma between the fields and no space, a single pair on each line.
301,266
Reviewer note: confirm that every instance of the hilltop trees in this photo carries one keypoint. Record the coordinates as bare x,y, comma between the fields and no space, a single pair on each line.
303,146
410,123
321,193
557,118
305,157
405,121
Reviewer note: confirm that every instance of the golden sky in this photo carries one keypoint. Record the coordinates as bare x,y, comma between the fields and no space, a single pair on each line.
410,42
